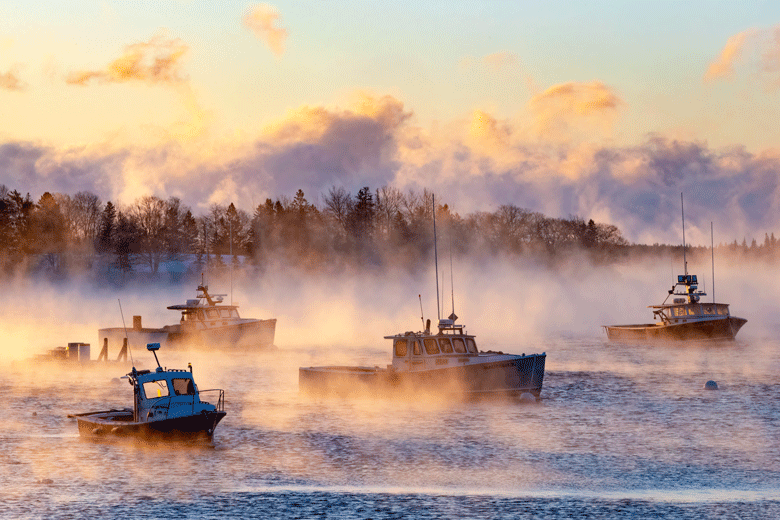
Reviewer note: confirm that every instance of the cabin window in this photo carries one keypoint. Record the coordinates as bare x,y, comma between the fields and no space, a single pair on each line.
430,346
183,386
200,315
416,350
400,348
472,345
153,389
460,346
445,345
213,314
709,310
189,316
225,313
723,310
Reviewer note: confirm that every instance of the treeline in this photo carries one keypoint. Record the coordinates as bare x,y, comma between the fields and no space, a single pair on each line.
60,233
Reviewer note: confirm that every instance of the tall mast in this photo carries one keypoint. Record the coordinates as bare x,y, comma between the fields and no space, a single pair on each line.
436,257
712,246
682,207
452,277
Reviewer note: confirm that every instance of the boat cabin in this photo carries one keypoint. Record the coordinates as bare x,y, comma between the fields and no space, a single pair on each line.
681,312
165,393
206,311
424,350
687,307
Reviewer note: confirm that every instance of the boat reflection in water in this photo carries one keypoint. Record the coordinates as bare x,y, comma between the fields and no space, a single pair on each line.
687,318
167,405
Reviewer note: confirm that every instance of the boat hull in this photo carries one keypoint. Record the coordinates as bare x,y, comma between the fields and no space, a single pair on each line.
120,424
512,375
704,330
250,335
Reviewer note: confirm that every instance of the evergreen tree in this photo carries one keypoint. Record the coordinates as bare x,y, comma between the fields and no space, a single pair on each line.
361,218
105,239
124,237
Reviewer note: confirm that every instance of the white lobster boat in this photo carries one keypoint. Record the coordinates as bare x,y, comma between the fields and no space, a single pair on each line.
167,405
206,322
447,362
687,318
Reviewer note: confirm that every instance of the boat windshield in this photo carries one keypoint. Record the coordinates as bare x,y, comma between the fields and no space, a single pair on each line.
460,346
445,345
183,386
157,388
400,347
430,346
472,345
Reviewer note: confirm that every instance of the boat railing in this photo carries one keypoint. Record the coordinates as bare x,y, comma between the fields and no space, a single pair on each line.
218,395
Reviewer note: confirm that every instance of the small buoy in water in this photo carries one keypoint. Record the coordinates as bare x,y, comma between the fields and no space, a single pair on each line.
45,481
35,414
527,397
710,385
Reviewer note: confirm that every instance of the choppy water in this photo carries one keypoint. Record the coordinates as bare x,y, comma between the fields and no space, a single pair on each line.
622,431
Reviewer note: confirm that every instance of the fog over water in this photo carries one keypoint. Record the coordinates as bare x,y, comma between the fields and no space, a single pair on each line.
621,430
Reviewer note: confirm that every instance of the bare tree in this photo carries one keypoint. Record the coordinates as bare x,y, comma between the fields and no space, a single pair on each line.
148,214
338,204
388,204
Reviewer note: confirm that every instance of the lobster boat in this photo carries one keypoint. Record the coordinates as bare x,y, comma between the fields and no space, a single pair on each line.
445,362
686,318
206,322
167,405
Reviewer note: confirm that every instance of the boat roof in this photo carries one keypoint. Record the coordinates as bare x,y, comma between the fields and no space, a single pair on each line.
667,305
158,373
444,326
203,301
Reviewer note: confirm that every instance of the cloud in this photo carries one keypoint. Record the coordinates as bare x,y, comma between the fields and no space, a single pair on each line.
261,19
759,49
475,165
501,60
495,62
723,66
568,105
10,80
154,61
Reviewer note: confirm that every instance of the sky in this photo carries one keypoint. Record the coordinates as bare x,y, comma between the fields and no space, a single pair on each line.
600,109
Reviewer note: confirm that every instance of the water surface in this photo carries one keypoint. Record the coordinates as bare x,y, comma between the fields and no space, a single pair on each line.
621,431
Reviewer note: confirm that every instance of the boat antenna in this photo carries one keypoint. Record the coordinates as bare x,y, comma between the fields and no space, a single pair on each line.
231,261
126,338
422,316
682,207
712,247
436,256
452,278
